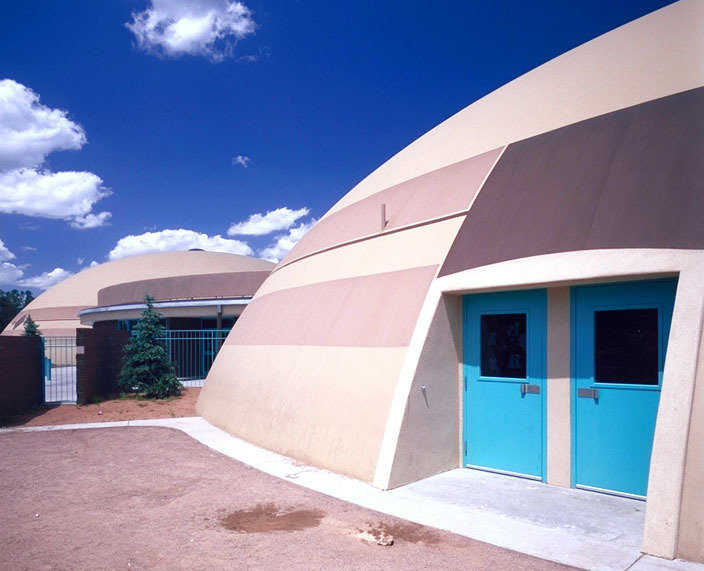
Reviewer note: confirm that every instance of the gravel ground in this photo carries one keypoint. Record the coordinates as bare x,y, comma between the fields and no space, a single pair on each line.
128,408
153,498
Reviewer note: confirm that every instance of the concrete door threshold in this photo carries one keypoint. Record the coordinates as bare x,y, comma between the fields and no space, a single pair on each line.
574,527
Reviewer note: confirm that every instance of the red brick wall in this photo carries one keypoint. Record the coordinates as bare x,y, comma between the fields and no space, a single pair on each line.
99,365
21,374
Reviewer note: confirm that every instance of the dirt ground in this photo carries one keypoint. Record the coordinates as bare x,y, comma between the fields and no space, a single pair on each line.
153,498
128,408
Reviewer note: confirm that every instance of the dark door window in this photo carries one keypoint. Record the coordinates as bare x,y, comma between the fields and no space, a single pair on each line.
503,344
626,346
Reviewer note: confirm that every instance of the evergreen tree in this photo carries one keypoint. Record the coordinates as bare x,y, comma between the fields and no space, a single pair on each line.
11,303
30,328
145,365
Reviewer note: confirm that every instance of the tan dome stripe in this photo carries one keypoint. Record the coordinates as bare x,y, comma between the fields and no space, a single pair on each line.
379,310
49,314
324,405
425,245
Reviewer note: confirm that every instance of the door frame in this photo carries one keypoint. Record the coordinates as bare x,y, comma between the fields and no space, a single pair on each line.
662,328
539,341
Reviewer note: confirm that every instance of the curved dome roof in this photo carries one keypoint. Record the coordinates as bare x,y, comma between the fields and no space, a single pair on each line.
56,309
597,148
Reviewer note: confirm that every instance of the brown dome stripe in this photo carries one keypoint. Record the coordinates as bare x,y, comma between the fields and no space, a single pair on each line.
629,179
199,286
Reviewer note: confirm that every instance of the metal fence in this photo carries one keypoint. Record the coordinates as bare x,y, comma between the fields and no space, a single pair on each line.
192,352
59,369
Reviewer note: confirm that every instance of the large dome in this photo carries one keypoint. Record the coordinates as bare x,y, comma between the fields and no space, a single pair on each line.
172,275
587,169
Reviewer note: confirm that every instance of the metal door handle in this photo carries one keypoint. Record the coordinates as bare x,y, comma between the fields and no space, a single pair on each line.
588,393
529,389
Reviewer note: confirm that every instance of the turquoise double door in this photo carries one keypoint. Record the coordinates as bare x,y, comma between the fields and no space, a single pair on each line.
619,341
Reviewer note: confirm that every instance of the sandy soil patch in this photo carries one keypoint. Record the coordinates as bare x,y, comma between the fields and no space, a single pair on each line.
153,498
128,408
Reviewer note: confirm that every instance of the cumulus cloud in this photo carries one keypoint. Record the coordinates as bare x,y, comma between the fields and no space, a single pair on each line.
91,220
45,279
281,246
5,253
66,195
273,221
180,239
242,160
93,264
29,132
10,273
209,28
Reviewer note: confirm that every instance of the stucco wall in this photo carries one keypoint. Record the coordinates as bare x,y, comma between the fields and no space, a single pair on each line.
428,441
691,536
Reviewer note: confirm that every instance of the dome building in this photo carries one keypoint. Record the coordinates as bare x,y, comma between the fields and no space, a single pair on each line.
192,290
519,290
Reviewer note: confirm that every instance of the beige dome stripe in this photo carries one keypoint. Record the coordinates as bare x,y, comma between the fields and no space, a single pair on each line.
420,246
327,408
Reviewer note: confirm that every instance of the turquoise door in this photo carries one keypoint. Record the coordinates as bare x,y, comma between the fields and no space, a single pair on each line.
619,340
504,381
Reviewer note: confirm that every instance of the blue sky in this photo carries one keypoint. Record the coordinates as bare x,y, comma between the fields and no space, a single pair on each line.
140,108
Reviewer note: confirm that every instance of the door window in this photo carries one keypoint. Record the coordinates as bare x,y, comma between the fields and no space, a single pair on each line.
626,346
503,345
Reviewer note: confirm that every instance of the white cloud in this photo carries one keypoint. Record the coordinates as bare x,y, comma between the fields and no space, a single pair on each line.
281,246
5,253
29,131
93,264
45,279
80,261
176,240
209,28
29,248
10,273
66,195
261,224
242,160
91,220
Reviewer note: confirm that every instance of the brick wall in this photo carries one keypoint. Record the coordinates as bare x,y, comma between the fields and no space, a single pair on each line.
99,361
21,374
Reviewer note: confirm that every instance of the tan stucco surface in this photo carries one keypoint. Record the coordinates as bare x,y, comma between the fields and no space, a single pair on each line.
657,55
428,440
691,536
327,406
559,427
421,246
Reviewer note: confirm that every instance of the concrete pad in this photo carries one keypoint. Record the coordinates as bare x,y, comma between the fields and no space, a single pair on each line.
574,527
649,563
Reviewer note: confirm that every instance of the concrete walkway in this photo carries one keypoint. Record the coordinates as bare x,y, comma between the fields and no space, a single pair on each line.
574,527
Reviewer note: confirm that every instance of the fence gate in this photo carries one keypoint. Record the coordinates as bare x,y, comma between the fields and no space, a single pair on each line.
59,369
192,352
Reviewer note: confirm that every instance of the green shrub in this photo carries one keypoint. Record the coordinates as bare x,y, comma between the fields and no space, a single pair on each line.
30,328
146,368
